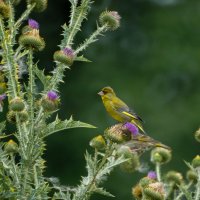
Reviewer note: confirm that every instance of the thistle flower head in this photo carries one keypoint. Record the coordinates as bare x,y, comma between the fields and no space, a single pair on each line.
152,175
132,128
68,51
196,162
118,133
33,24
154,191
174,177
111,19
98,142
160,155
11,147
197,135
2,97
52,95
65,56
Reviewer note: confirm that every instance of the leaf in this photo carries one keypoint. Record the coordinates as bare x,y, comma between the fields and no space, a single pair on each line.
82,59
102,191
186,192
59,125
42,77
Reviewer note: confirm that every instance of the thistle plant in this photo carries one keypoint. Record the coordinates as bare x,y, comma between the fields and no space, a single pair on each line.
170,185
31,111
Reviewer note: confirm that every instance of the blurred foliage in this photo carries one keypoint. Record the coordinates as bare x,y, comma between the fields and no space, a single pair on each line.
152,62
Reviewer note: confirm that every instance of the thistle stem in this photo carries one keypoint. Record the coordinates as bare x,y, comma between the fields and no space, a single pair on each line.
197,196
31,89
158,173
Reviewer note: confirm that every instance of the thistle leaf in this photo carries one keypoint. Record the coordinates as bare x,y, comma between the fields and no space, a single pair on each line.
102,191
59,125
82,59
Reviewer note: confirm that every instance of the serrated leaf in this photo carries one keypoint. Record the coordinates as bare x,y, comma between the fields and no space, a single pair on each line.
186,192
40,74
59,125
82,59
102,191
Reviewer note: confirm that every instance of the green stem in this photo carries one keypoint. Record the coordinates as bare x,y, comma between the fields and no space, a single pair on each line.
103,162
25,180
182,193
197,196
6,44
15,173
76,25
31,90
158,173
24,16
91,39
35,174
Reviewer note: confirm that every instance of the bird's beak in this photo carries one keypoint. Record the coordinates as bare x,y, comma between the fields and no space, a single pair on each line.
100,93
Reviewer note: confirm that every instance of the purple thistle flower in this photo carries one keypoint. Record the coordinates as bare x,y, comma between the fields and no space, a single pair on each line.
2,97
33,24
152,175
132,128
68,52
52,95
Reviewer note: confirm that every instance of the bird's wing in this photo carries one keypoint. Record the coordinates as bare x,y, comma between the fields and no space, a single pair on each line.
121,107
132,115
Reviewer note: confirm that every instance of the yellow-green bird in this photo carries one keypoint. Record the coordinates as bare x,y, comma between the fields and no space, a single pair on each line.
118,109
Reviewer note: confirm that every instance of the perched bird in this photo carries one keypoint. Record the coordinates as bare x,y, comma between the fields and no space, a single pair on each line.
118,109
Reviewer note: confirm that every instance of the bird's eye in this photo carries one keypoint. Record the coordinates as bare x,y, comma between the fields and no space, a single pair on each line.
105,92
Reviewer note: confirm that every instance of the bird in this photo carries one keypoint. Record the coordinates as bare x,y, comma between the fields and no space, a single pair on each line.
118,109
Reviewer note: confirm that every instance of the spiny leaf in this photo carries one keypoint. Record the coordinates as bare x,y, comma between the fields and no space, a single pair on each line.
59,125
42,77
102,191
82,59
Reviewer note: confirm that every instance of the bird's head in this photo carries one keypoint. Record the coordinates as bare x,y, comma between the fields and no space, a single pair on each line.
107,92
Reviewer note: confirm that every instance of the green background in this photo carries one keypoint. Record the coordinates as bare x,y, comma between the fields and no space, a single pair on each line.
152,62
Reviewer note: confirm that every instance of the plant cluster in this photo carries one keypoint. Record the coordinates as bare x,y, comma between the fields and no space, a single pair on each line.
31,109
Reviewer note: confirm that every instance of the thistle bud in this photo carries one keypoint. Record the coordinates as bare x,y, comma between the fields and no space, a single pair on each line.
154,191
111,19
50,101
11,147
11,117
98,142
160,155
144,182
192,176
197,135
2,88
174,178
196,162
40,5
4,9
23,116
30,37
17,104
118,133
132,163
137,192
65,56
